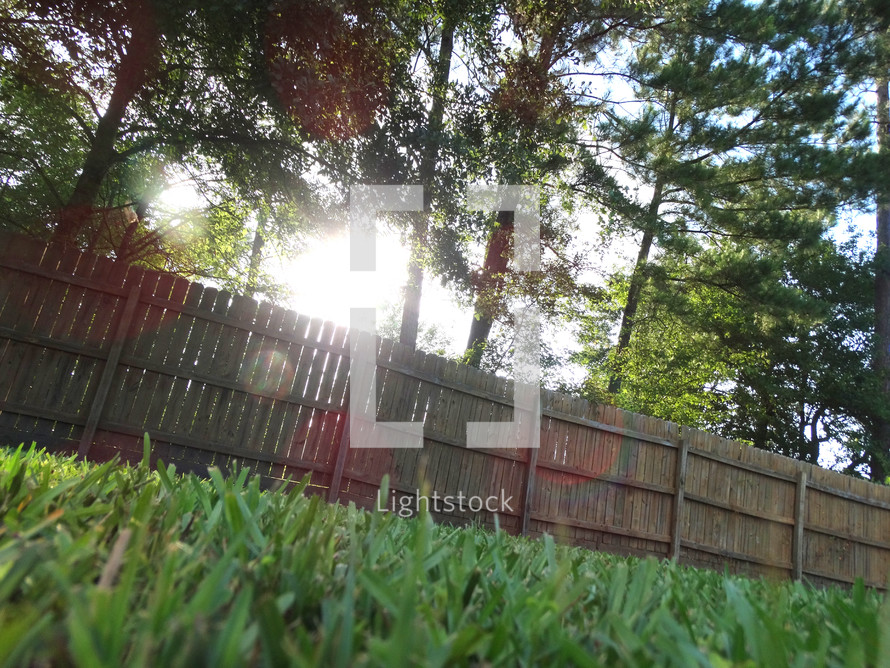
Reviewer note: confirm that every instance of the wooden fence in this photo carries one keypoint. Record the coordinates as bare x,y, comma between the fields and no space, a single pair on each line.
94,353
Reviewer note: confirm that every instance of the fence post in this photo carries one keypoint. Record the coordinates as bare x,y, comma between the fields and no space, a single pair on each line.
114,356
340,456
799,516
682,455
531,464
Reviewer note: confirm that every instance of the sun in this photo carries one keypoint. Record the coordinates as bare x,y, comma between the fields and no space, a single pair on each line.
180,197
322,284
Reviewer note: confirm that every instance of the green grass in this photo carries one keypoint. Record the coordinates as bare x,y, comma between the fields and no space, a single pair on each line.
110,566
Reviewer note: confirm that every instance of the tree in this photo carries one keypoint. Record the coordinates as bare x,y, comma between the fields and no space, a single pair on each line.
41,151
869,64
414,138
783,366
722,136
429,149
161,89
531,137
880,459
747,141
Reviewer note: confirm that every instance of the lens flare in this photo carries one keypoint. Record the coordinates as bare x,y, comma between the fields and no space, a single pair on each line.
270,372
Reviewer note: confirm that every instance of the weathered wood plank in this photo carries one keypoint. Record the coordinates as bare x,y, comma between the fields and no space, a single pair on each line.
678,507
799,526
123,327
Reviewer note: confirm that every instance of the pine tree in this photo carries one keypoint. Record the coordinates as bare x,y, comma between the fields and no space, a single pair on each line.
745,141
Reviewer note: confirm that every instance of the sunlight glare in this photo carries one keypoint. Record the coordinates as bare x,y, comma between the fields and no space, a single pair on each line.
180,197
324,287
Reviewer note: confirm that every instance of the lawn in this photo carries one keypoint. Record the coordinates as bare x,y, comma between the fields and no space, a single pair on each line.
108,565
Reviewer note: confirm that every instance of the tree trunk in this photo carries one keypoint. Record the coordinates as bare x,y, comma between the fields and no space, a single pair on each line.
489,287
429,157
256,253
637,280
880,456
814,442
413,289
131,76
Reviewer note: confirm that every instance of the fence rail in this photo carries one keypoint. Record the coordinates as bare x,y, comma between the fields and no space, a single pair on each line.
93,353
